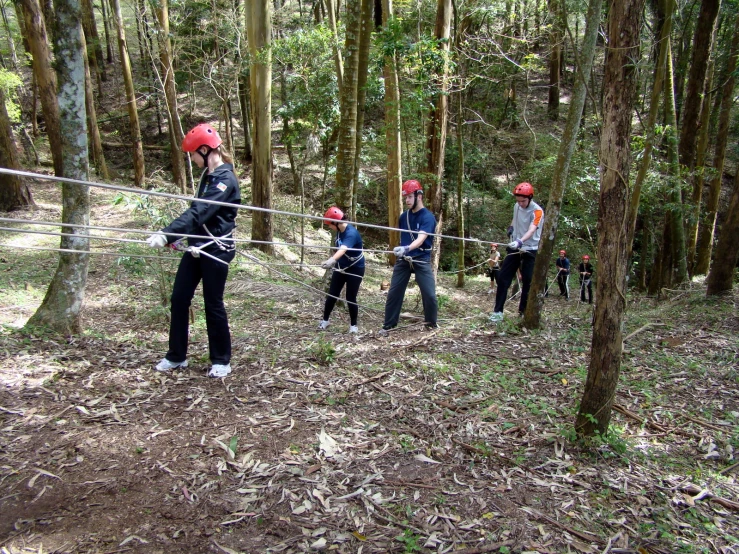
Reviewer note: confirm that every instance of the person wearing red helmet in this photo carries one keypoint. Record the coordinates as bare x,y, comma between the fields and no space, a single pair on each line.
563,274
525,232
586,278
417,226
206,259
349,260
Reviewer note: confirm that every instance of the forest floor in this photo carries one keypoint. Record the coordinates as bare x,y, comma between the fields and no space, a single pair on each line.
453,440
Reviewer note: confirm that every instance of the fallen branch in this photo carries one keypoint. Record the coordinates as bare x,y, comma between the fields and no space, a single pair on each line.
642,328
699,494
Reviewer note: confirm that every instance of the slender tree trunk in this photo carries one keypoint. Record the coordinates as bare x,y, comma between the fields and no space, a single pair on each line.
98,156
176,134
347,142
133,116
11,42
702,41
392,136
259,34
721,277
93,43
14,193
45,78
555,56
619,87
243,85
532,315
338,57
62,305
460,192
106,30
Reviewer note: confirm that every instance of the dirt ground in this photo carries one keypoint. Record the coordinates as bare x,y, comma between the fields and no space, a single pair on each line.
452,440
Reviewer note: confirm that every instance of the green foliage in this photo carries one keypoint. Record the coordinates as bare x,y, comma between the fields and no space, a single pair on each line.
322,351
9,82
409,541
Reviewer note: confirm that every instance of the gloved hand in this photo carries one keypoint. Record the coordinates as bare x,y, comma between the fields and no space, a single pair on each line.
157,240
516,244
328,264
400,251
510,231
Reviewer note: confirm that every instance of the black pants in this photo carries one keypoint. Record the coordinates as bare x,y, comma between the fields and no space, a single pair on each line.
213,274
352,278
523,259
587,283
424,274
562,281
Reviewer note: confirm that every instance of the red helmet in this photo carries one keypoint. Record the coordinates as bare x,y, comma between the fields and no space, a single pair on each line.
411,186
201,135
332,215
562,252
524,189
585,257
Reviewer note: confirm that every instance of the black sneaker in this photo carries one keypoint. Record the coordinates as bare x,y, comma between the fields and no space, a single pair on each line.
430,326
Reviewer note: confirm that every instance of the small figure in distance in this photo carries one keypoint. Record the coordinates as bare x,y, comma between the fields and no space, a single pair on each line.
586,278
413,256
348,267
563,274
493,266
206,259
525,230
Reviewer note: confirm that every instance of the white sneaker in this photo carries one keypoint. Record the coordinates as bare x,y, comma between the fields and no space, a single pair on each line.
496,317
323,324
490,291
165,365
219,370
353,329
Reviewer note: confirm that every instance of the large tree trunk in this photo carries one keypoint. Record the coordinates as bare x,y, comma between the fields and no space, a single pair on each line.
702,41
721,277
705,238
619,87
392,136
347,142
176,134
14,193
133,115
532,315
45,78
61,307
260,41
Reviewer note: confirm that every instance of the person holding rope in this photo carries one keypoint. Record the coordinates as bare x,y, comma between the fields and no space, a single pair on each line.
417,226
204,260
525,230
348,267
563,274
586,278
493,266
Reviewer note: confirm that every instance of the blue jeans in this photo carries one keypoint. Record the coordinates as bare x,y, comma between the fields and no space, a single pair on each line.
426,283
523,259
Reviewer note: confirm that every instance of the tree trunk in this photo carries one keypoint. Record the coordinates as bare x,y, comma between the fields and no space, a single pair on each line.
93,38
14,193
61,307
347,142
705,238
721,277
176,134
555,56
243,85
619,87
532,315
45,78
106,30
392,137
259,35
460,192
365,37
11,42
98,156
133,116
338,58
702,41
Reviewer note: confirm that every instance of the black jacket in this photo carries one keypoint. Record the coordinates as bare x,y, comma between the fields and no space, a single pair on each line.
221,185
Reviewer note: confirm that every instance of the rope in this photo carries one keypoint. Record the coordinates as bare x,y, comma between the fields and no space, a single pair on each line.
70,250
43,177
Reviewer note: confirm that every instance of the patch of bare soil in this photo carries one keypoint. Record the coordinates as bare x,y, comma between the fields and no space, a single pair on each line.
453,440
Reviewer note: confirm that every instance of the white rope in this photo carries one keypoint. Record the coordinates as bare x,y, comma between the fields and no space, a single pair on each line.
72,251
41,176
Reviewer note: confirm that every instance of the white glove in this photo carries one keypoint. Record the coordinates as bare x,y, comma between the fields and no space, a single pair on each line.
328,264
157,240
516,244
400,251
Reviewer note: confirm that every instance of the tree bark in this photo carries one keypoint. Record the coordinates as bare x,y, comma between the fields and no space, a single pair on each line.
93,38
460,192
532,315
721,278
98,156
14,193
702,41
259,35
338,57
708,222
45,78
62,305
392,137
11,42
619,87
555,56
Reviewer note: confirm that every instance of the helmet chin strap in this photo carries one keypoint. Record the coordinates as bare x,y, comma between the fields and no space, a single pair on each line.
205,156
415,201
